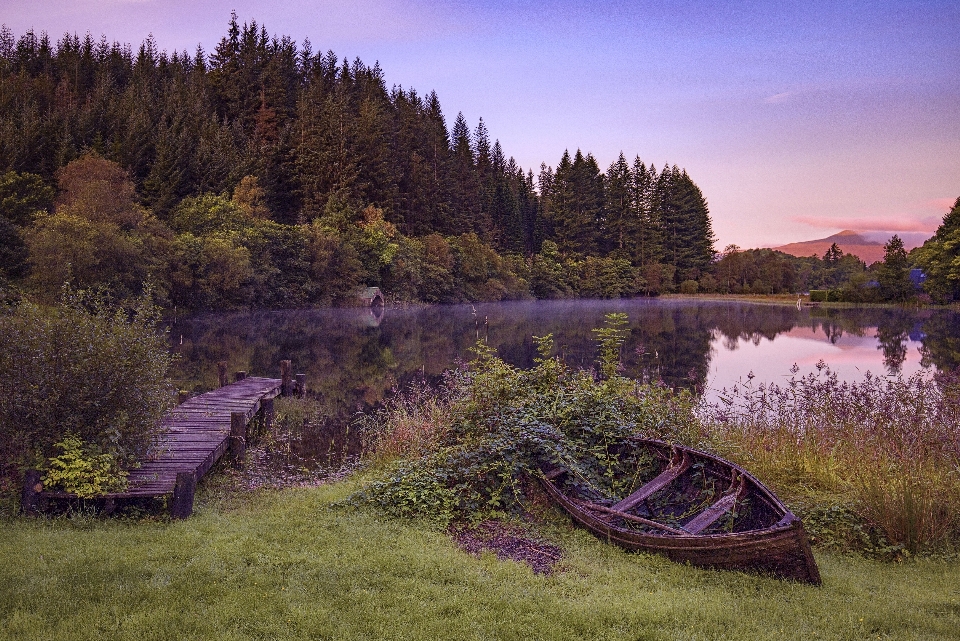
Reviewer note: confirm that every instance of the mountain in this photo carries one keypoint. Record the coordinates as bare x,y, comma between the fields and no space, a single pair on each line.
864,246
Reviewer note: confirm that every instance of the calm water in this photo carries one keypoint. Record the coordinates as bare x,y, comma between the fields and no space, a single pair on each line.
353,358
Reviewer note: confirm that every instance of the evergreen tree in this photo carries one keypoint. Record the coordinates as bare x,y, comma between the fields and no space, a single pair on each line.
893,275
619,225
465,184
939,258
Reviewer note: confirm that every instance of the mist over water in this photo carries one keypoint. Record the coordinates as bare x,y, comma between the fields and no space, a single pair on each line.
353,358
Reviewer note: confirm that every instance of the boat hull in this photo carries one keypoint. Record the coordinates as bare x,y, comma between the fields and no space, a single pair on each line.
781,549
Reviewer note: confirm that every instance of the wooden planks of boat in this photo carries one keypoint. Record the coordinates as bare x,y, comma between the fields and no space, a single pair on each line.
693,507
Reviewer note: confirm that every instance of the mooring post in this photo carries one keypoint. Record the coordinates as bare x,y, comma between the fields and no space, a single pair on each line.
181,505
286,385
222,373
266,405
301,385
29,500
238,438
182,396
239,376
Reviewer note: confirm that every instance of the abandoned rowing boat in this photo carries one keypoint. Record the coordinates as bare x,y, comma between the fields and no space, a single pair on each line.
692,507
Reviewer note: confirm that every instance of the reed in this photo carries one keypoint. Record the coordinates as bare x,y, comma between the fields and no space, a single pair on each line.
888,445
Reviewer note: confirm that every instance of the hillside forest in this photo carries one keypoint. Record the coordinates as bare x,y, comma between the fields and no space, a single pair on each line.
263,174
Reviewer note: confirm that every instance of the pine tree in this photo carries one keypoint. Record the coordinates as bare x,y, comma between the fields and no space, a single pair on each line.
893,275
620,227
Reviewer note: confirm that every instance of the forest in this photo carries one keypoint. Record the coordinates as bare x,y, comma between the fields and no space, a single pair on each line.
266,175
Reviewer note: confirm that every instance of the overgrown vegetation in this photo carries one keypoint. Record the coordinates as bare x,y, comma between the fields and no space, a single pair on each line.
493,425
886,449
81,373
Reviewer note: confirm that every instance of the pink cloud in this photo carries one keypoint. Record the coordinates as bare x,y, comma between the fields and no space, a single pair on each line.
872,223
942,205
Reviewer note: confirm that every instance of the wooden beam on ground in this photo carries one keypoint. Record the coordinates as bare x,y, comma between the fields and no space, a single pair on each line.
181,504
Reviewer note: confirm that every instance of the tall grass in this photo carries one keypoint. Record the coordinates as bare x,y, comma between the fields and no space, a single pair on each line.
891,445
409,424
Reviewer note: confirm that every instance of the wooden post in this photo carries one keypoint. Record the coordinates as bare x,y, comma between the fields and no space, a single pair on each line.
286,385
238,438
301,385
267,406
222,373
182,396
239,376
181,505
29,501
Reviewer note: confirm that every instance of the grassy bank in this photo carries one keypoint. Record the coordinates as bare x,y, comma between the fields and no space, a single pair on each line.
287,566
791,299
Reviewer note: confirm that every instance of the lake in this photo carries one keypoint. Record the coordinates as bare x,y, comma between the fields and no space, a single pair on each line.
353,357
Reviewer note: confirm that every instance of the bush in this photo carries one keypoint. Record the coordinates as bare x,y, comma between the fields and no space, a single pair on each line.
689,287
82,369
83,471
818,295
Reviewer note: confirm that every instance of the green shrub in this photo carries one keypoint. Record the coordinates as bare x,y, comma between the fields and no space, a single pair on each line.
84,471
84,369
818,295
689,287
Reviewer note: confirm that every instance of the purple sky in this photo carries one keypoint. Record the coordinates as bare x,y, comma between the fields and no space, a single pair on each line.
795,121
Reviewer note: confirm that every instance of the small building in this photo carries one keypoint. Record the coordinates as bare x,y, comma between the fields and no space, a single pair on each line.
370,297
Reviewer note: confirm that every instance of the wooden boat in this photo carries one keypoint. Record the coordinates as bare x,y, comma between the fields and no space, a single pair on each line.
692,507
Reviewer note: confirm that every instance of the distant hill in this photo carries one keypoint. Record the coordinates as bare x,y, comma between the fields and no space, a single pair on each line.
867,249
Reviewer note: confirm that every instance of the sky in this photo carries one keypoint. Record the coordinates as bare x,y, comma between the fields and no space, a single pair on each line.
797,120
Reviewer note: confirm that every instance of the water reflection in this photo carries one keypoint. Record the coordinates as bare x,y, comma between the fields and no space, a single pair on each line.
354,357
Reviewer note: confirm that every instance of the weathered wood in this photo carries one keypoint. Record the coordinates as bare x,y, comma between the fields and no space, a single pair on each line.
239,375
181,504
631,517
238,438
266,406
182,396
709,516
679,465
198,434
286,386
767,537
30,499
301,385
222,373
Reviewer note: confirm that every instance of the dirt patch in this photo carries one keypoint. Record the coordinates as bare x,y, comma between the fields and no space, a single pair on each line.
507,542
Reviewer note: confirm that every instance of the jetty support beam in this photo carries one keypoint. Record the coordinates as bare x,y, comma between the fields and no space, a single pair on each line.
181,505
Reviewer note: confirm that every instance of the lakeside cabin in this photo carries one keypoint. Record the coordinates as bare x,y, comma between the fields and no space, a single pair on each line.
370,297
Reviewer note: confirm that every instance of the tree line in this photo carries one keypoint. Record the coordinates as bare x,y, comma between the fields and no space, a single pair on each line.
264,174
837,276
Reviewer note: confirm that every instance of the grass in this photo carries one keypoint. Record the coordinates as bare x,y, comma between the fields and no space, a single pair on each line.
284,565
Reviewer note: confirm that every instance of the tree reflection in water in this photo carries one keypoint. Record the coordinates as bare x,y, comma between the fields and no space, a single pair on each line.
354,357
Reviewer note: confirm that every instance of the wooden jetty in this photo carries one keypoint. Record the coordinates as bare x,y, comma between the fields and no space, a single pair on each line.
198,432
